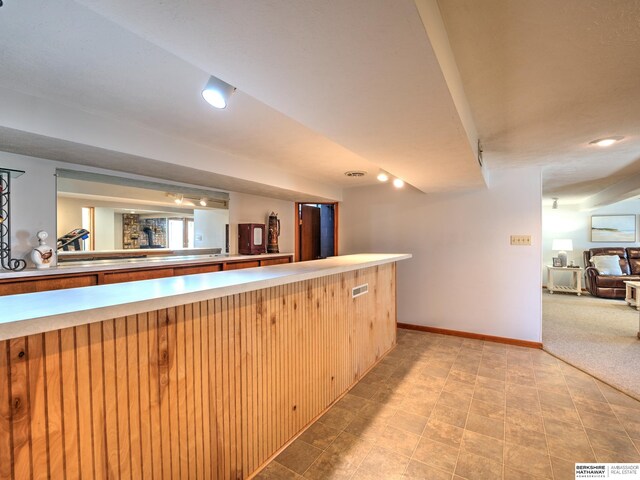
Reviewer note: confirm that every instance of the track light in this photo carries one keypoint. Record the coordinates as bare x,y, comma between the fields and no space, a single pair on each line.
179,199
203,202
217,92
398,183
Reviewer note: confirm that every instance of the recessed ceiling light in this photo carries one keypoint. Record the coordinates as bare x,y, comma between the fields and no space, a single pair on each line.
217,92
382,177
606,142
398,183
355,173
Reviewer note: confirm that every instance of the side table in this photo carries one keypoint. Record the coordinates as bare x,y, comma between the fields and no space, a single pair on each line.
576,284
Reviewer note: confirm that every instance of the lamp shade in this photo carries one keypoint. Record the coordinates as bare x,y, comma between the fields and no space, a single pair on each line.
562,244
217,92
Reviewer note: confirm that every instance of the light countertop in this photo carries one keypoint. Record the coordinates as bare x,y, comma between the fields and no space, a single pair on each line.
129,263
31,313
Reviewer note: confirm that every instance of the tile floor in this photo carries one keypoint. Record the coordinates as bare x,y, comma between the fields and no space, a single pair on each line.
441,407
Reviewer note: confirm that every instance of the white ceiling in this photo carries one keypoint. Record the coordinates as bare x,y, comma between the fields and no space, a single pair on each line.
546,77
324,87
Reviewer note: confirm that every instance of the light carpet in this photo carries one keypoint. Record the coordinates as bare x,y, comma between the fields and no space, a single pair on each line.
596,335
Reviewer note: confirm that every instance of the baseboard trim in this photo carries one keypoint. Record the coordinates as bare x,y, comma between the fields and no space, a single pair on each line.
475,336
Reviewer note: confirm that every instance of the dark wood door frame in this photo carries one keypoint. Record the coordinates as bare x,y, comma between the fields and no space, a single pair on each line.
296,227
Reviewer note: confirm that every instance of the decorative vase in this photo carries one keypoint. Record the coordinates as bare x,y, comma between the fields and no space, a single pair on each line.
43,254
274,233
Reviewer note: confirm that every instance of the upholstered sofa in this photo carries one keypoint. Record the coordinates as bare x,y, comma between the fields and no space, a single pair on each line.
612,286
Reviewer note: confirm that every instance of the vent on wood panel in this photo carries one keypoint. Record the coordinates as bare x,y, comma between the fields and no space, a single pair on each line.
359,290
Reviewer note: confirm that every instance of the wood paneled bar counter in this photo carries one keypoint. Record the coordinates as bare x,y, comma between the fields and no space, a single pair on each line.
196,376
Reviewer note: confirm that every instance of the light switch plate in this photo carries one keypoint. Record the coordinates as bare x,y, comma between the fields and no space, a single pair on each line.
521,240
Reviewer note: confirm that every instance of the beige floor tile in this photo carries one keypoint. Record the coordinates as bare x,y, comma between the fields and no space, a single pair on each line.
443,432
475,467
558,428
458,388
454,400
408,422
389,398
377,410
482,445
491,383
527,460
363,390
494,373
614,397
548,398
452,416
584,405
608,456
420,471
419,405
330,466
352,403
319,435
436,454
564,414
563,469
573,447
486,426
489,395
337,417
610,441
530,421
526,438
511,474
351,448
298,456
487,409
608,423
382,463
276,471
399,441
366,428
462,376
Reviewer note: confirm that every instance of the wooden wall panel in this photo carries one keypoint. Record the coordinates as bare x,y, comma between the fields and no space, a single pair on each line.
203,390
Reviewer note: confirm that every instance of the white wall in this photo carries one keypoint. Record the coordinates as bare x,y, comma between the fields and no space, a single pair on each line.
33,202
464,274
209,228
105,228
568,222
69,214
245,208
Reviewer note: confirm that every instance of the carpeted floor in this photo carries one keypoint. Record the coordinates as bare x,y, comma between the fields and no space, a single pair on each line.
596,335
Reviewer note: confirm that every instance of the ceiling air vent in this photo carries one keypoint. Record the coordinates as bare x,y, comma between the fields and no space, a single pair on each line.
355,173
359,290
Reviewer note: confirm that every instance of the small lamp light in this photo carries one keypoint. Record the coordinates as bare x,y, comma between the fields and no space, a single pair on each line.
563,246
217,92
398,182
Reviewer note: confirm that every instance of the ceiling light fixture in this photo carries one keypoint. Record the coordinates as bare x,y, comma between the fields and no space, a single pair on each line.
398,182
203,202
355,173
382,176
179,199
606,142
217,92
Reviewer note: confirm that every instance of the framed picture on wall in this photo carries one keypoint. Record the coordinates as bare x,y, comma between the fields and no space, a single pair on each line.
613,228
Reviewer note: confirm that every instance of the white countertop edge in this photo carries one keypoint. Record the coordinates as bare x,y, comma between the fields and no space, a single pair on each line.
91,266
77,306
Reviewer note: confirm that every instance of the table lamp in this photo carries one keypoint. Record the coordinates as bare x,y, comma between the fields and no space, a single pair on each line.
562,245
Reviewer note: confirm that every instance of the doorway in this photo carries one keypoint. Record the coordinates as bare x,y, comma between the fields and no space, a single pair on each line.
316,231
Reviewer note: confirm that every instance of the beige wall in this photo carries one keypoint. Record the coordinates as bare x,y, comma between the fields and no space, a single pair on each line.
464,274
245,208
